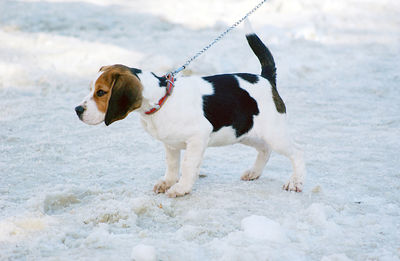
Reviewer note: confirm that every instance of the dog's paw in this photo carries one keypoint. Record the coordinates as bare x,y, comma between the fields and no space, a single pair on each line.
178,190
161,186
293,185
250,175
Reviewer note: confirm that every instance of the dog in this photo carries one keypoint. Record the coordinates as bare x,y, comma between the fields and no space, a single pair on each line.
200,112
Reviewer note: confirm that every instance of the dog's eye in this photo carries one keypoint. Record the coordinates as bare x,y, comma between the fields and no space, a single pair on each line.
100,93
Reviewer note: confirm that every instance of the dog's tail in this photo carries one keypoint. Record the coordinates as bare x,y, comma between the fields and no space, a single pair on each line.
268,69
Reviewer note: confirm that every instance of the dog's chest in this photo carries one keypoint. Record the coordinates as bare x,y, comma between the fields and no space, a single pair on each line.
167,133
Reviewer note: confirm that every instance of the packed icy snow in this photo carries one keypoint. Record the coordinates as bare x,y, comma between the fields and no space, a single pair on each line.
69,191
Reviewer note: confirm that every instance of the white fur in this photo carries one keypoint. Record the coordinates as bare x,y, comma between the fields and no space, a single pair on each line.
91,115
181,125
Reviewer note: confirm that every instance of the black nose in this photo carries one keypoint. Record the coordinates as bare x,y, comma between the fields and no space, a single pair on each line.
79,110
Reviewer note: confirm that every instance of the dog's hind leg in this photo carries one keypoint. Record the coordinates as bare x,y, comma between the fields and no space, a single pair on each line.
295,182
281,142
264,151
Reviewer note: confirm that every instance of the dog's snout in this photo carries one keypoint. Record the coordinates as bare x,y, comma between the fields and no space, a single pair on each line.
79,110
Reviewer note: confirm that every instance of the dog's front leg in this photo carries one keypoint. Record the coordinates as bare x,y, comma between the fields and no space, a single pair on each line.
195,148
173,157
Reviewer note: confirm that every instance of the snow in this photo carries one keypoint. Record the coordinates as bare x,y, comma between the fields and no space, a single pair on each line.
72,191
336,257
260,227
143,253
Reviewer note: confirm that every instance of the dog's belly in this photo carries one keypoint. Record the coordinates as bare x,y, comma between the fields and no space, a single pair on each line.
224,136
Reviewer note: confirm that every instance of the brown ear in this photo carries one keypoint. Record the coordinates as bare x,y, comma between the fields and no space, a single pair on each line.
126,96
104,68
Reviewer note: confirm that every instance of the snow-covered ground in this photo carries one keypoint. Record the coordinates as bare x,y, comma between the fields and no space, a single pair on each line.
69,191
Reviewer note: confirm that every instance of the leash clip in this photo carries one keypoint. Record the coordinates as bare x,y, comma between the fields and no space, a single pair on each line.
168,90
170,82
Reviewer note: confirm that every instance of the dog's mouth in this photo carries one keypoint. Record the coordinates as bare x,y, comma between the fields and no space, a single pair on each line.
89,118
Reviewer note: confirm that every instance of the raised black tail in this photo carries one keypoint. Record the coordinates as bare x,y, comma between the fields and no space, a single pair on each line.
268,69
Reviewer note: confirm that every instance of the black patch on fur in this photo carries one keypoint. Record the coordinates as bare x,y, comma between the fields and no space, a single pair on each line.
230,105
135,72
251,78
162,81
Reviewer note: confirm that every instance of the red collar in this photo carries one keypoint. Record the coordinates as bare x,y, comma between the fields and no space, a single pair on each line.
170,85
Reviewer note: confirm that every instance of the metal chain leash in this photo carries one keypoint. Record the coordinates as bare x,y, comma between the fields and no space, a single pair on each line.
222,35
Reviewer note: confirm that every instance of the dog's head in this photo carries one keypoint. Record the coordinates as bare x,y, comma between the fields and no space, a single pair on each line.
114,94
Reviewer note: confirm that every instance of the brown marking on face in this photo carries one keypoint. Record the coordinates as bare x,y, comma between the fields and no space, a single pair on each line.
117,92
102,86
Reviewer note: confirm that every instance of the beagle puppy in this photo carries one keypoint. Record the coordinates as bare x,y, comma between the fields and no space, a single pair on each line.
200,112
